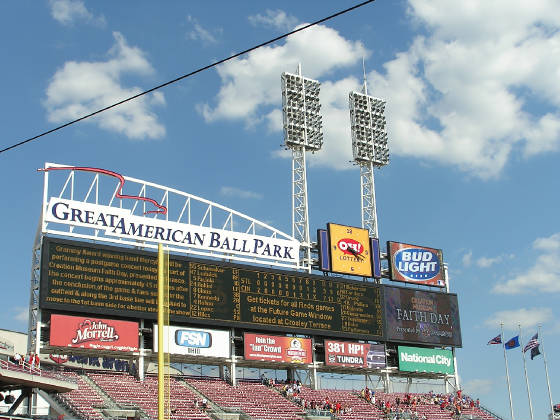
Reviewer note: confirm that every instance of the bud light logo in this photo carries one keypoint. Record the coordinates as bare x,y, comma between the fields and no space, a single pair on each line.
190,338
417,264
350,246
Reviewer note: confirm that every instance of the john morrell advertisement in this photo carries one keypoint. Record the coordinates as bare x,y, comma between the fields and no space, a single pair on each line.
419,316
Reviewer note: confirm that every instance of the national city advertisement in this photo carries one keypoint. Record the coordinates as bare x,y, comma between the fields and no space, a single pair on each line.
93,333
415,359
420,316
278,348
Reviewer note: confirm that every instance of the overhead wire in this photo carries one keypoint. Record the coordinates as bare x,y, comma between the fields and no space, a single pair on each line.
184,76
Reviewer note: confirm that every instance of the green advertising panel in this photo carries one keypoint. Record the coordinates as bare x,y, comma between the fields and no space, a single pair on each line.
415,359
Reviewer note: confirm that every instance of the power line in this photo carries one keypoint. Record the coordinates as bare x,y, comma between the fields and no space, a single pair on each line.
21,143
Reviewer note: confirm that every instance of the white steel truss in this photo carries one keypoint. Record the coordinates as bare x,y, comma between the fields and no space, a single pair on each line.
302,132
181,208
369,210
300,215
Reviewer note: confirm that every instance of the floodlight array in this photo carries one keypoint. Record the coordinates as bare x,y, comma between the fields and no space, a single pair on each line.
369,135
300,107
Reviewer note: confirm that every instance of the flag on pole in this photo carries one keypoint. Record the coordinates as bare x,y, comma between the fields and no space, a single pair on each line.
512,343
533,342
535,352
496,340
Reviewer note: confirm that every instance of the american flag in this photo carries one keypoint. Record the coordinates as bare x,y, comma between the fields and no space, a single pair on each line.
496,340
533,342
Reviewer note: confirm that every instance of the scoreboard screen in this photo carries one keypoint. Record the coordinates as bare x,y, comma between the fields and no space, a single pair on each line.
87,278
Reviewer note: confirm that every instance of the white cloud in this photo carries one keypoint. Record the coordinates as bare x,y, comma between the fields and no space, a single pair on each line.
462,95
275,18
69,12
250,87
199,33
467,259
239,193
486,262
478,386
21,314
79,88
467,76
528,318
543,276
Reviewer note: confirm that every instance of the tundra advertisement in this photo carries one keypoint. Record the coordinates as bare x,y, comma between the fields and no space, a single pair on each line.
354,354
418,316
93,333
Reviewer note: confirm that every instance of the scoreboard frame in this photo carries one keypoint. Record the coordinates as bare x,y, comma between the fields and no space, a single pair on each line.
95,300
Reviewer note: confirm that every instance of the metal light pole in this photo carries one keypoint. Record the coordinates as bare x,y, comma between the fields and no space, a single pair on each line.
369,147
302,132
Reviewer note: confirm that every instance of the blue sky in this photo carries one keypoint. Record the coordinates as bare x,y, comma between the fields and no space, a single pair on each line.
473,114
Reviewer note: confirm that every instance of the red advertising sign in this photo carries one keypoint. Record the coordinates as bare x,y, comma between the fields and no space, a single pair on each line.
93,333
278,349
354,354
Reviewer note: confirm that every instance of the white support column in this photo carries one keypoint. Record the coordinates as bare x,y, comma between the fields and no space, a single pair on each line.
457,385
369,210
300,215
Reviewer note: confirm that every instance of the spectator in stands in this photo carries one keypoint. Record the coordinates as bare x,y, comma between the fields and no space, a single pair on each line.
196,403
477,403
37,361
17,359
204,403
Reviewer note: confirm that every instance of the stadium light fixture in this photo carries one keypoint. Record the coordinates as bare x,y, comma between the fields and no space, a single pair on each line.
301,107
302,132
369,148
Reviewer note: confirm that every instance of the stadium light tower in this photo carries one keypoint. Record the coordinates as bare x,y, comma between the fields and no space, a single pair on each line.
369,147
302,132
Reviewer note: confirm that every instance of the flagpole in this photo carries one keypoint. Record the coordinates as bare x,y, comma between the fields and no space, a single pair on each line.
507,371
546,370
526,377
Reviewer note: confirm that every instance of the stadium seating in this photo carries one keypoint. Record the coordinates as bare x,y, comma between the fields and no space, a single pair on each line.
252,398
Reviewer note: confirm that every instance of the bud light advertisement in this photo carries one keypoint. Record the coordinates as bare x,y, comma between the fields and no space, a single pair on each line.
416,264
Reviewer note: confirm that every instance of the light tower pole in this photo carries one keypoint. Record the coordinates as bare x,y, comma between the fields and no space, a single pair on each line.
369,147
302,132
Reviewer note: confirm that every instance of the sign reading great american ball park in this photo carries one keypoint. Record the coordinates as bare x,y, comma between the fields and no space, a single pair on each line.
121,223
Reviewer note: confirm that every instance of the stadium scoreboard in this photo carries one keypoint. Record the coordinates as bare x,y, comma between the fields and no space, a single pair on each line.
87,278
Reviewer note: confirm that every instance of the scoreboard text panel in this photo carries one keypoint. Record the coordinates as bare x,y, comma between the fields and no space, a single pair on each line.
86,278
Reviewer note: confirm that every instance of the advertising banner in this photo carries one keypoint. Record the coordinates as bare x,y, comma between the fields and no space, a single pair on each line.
350,250
194,341
414,359
354,354
278,348
419,316
93,333
121,223
415,264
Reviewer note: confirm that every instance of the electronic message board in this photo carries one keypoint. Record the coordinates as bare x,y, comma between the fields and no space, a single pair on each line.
355,354
419,316
91,278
